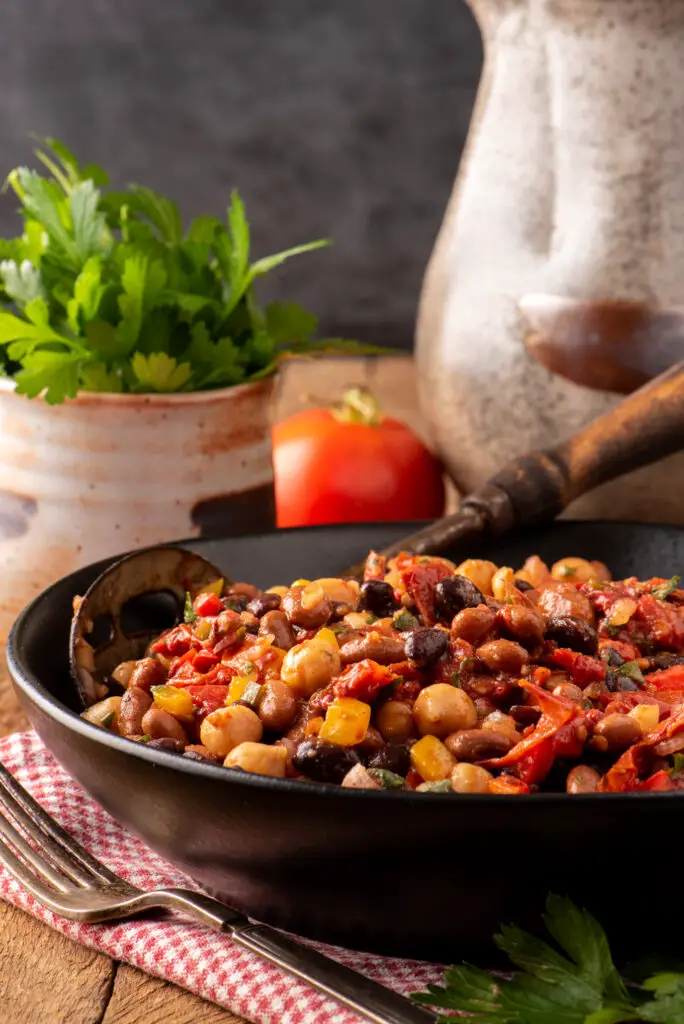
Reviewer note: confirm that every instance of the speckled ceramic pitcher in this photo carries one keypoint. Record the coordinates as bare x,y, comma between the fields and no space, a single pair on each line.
557,281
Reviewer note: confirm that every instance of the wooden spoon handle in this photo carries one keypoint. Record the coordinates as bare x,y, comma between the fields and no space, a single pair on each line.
536,487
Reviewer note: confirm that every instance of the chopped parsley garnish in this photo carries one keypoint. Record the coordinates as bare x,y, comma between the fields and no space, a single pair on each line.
386,778
574,980
663,591
631,670
403,621
443,786
108,719
189,614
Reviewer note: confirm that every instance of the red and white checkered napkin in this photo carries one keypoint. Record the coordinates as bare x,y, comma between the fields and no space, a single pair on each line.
196,958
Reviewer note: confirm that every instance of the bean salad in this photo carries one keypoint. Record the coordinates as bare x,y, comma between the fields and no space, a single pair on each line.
427,676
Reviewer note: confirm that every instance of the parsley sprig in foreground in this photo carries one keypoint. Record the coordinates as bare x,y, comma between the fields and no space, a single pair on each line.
107,292
581,987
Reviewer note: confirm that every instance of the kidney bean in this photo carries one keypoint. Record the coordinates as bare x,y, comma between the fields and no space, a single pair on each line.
147,672
483,707
453,594
247,590
173,746
266,602
478,744
619,731
134,703
473,624
385,650
157,723
324,762
377,597
503,656
425,646
582,779
568,690
480,686
525,714
525,624
277,624
306,617
278,705
571,632
394,757
371,743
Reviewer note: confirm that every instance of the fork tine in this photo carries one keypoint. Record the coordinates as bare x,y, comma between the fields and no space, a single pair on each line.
59,857
48,826
38,863
25,875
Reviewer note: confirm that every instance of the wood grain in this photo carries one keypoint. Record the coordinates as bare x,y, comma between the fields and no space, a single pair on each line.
47,979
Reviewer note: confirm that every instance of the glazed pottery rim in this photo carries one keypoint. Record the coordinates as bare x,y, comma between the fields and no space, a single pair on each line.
50,705
155,398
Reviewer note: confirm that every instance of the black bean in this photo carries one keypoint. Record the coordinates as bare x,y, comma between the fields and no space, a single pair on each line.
525,714
611,657
394,757
377,597
265,602
166,743
523,585
425,646
453,594
612,680
324,762
236,602
567,631
626,684
665,660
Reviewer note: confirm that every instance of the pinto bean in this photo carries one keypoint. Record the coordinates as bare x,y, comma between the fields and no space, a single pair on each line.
582,779
277,624
197,752
278,706
503,656
268,602
525,624
310,613
157,724
134,703
569,691
147,672
478,744
168,743
473,624
619,731
385,650
247,590
571,632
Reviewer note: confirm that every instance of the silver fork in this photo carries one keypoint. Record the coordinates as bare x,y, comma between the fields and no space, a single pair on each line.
68,880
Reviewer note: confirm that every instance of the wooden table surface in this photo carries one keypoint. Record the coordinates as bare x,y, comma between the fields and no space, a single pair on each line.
47,979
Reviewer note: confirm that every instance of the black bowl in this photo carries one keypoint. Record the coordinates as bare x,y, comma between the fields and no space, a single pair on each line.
421,875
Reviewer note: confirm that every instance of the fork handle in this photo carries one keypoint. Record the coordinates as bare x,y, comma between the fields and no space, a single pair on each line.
358,993
365,997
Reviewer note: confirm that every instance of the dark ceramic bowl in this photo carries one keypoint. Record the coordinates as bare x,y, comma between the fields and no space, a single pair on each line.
420,875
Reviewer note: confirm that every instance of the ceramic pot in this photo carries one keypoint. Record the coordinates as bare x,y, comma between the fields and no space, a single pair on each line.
556,283
104,473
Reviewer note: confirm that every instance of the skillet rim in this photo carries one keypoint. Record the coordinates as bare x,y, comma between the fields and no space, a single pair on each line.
36,693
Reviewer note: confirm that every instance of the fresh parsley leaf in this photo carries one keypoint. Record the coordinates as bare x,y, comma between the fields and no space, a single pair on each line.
268,263
631,670
287,322
89,226
160,211
55,373
189,614
238,256
160,372
96,377
662,592
668,1005
678,762
22,281
142,280
386,778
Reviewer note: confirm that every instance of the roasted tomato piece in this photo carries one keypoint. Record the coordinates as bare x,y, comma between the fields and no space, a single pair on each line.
364,680
207,697
176,641
583,669
420,576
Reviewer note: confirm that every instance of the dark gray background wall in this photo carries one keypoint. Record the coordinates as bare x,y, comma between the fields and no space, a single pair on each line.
343,118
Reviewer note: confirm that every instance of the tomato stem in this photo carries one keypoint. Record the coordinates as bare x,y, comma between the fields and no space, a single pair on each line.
357,405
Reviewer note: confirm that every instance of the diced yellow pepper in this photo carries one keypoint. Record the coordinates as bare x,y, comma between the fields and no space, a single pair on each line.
237,687
212,588
173,699
301,583
431,759
202,629
346,722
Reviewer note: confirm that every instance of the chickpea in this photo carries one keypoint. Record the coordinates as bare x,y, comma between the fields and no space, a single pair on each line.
441,709
534,571
560,600
122,673
525,624
228,727
309,666
470,778
573,570
499,722
395,720
473,624
619,731
157,724
503,585
278,706
105,714
260,758
134,703
569,691
337,590
582,779
503,656
478,572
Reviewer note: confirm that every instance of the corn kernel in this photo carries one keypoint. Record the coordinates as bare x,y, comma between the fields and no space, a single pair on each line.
479,572
346,722
173,699
325,638
573,570
237,687
647,715
431,759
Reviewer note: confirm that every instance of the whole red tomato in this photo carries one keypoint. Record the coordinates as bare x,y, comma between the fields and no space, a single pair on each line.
350,464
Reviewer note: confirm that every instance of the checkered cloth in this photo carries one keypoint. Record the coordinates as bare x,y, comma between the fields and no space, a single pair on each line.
205,962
